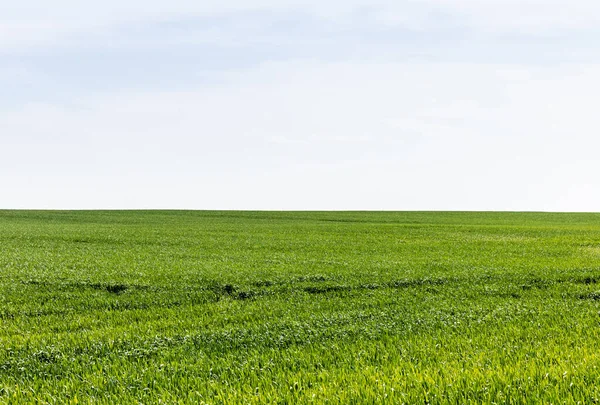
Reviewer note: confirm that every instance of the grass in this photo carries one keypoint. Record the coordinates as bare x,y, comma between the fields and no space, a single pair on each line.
305,307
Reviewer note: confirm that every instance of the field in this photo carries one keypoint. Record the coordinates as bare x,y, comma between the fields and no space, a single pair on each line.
305,307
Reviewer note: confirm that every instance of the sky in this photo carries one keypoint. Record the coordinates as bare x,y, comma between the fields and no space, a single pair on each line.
300,105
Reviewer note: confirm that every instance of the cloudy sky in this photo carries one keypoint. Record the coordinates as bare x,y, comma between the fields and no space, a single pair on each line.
300,104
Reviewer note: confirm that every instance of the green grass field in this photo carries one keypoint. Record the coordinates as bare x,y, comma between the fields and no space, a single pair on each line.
265,307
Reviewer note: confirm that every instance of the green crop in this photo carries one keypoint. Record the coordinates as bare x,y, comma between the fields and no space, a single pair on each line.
304,307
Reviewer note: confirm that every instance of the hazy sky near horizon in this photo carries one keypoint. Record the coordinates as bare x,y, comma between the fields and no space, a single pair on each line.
289,104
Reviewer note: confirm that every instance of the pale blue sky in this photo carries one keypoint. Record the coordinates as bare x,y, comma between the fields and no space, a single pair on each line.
264,104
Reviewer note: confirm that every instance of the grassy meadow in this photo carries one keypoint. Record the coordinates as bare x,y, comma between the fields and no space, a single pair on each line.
173,307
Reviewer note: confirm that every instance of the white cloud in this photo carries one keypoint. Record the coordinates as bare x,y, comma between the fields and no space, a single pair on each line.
25,23
519,16
319,136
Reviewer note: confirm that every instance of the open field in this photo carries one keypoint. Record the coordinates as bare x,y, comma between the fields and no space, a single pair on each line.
257,307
